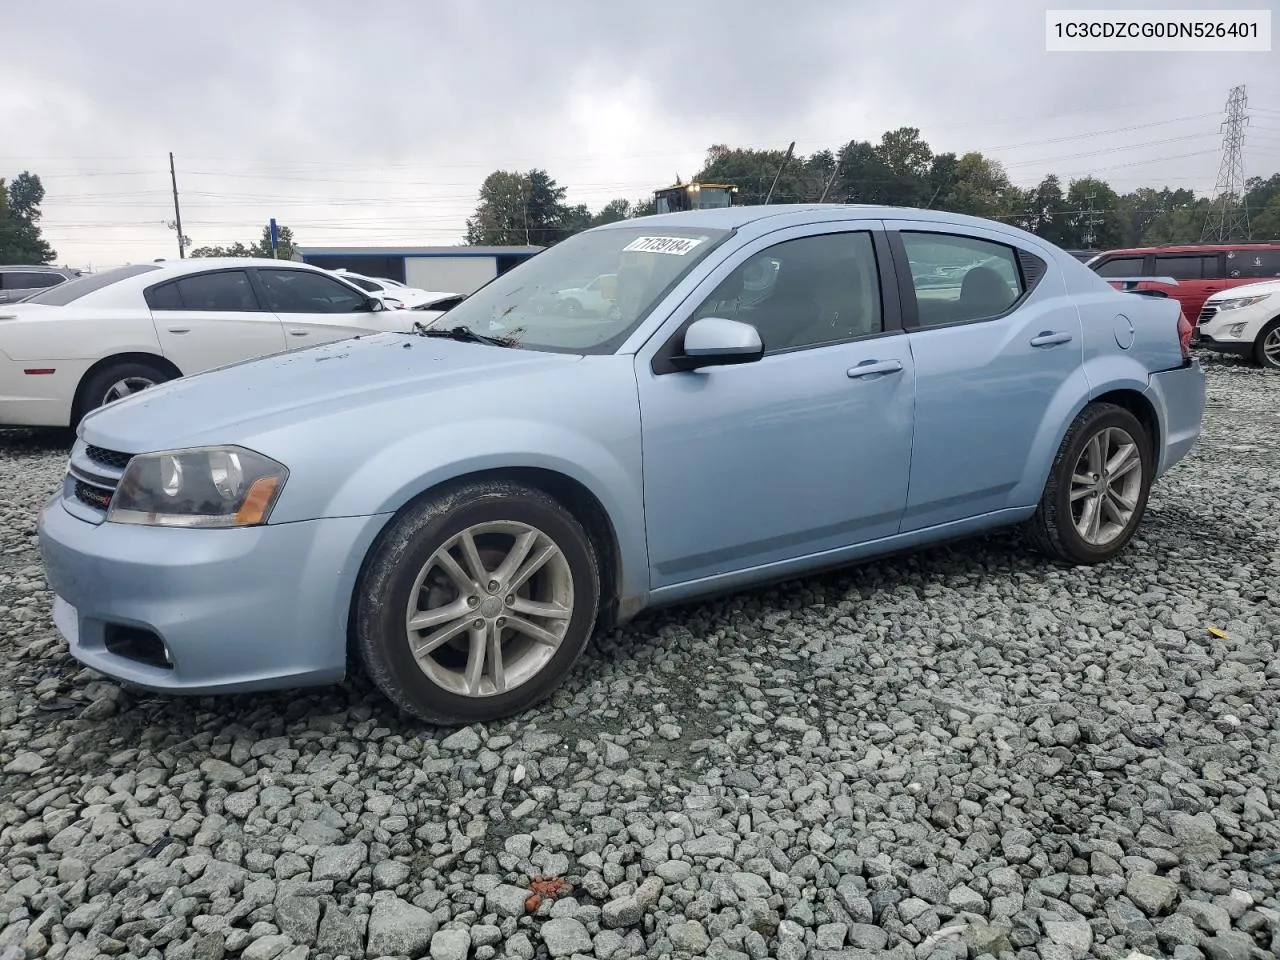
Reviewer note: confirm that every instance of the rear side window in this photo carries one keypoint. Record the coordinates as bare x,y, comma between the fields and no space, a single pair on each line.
305,291
1194,266
1253,264
960,279
223,292
164,297
1120,267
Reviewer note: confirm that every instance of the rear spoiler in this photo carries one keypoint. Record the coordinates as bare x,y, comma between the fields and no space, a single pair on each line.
1130,283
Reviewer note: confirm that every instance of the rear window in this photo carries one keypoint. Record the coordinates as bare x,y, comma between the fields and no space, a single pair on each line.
72,290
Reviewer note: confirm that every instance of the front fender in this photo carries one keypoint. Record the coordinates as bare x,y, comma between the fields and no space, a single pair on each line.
438,453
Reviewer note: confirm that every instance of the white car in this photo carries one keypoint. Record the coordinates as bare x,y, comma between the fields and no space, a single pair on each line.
1244,321
391,292
84,343
595,298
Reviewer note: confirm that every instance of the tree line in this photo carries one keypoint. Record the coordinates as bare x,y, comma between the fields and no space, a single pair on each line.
900,170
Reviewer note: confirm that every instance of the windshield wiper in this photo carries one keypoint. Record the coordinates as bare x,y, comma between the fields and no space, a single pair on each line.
462,334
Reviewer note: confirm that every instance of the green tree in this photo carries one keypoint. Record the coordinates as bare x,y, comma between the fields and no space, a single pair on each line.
520,208
20,238
752,171
612,212
285,247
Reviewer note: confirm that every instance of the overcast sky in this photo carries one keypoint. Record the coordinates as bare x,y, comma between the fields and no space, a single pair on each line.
375,123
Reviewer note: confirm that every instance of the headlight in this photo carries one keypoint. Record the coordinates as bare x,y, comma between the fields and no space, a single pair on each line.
1235,303
201,487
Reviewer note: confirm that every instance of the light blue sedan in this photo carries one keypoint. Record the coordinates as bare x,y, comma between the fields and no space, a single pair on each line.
771,391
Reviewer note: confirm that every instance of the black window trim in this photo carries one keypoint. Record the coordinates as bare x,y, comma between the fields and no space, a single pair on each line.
663,363
907,287
247,270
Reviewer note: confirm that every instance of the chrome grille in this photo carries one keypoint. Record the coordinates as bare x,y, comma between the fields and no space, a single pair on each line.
93,473
1207,312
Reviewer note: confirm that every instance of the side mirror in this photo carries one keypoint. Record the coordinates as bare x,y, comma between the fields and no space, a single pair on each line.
717,342
376,304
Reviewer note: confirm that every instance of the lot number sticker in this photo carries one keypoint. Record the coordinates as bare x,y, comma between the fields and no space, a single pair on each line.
678,246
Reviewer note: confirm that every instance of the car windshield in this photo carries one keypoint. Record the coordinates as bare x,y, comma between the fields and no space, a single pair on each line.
542,303
65,293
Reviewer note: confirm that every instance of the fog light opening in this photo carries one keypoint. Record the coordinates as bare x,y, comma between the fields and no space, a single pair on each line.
137,644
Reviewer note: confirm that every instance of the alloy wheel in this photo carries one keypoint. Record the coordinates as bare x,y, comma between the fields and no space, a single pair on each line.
1106,486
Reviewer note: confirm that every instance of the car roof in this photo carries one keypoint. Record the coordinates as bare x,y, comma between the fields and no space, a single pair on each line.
734,218
35,267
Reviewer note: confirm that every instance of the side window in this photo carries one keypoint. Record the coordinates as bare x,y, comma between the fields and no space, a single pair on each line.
164,296
302,291
959,279
1253,264
227,291
363,284
30,281
1187,266
1120,267
805,292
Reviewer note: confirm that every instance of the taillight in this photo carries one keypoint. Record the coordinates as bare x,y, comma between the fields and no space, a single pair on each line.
1184,334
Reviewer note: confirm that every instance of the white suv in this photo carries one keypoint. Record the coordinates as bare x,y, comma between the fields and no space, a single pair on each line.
1244,321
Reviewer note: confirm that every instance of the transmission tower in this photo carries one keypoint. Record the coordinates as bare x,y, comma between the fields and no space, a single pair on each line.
1228,217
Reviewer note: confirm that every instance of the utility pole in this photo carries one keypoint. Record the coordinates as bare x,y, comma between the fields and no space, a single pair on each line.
777,176
1228,218
830,180
177,214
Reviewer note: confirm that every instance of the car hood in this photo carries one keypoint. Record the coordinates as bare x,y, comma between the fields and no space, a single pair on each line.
1259,289
230,403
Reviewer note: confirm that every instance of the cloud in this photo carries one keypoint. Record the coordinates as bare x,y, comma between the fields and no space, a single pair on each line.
376,123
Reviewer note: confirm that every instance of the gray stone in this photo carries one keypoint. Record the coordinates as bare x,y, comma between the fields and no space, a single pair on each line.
450,944
1153,894
689,937
465,740
623,912
266,948
221,772
398,928
1075,935
507,900
1228,946
565,936
339,863
298,918
710,845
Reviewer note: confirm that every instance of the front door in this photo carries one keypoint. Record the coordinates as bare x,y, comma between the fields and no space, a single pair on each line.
806,450
210,319
992,352
317,309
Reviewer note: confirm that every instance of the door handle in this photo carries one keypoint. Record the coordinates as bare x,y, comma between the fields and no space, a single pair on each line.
1049,339
297,333
871,368
179,329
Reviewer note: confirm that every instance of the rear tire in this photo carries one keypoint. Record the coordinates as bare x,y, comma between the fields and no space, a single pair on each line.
534,602
114,382
1266,349
1093,503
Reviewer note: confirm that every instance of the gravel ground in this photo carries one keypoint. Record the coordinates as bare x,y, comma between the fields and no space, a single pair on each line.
960,753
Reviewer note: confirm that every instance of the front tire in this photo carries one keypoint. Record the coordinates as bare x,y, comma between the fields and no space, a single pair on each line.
1266,349
476,603
1097,490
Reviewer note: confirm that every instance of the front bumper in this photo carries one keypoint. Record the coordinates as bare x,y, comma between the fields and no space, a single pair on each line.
1237,348
232,610
1178,396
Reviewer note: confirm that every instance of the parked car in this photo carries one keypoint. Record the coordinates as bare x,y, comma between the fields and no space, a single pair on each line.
1244,322
461,507
394,294
92,340
594,297
1200,269
18,282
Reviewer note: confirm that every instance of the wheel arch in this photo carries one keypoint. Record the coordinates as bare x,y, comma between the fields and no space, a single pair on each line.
151,359
569,492
1263,332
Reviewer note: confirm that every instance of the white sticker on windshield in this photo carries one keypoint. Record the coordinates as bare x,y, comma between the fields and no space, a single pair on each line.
675,245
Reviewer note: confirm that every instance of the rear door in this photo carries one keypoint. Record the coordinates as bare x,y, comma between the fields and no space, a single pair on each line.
994,349
1198,276
315,308
206,320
